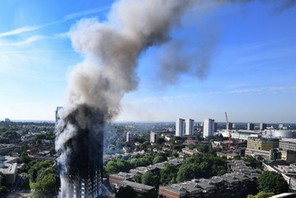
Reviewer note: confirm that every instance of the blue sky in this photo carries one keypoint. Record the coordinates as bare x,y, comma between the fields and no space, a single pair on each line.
252,73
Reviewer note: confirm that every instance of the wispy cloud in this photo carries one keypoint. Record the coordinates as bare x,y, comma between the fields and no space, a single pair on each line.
28,41
20,30
84,13
253,90
275,89
66,18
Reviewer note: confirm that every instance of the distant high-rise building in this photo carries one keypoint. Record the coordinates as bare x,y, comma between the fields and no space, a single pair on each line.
208,128
7,120
250,126
189,127
233,125
128,136
262,126
180,127
229,125
281,126
153,137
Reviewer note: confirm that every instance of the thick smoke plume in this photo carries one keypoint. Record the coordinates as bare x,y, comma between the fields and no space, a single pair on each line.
96,86
110,50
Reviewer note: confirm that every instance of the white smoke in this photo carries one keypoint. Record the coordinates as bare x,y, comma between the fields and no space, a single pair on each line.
96,85
111,49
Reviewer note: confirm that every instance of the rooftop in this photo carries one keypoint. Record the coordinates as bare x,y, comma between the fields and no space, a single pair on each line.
136,186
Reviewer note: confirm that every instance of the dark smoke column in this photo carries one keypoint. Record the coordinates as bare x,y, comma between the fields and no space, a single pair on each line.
96,85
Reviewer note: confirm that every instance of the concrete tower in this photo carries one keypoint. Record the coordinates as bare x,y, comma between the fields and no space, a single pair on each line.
180,127
208,127
189,127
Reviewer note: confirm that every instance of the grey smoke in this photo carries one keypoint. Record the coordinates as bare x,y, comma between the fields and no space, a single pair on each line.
173,62
111,49
96,85
177,58
284,5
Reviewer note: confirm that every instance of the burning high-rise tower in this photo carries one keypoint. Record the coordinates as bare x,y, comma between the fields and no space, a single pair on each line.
84,152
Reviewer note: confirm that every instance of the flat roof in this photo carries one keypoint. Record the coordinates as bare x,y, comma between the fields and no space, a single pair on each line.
137,185
292,140
9,168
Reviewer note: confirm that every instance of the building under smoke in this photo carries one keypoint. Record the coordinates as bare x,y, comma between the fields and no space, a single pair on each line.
111,50
80,166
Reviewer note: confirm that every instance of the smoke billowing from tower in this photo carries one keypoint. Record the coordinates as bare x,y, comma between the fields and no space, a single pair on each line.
97,84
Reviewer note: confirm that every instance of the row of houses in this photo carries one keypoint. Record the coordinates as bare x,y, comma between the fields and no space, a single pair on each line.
237,183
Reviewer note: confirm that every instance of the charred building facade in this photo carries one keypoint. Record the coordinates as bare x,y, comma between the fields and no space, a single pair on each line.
79,148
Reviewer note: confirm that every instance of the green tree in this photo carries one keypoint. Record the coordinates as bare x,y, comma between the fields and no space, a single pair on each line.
45,187
42,178
149,178
186,172
137,177
201,166
253,162
261,194
3,188
168,174
273,182
142,161
117,165
160,140
159,158
145,145
237,157
124,192
204,148
3,191
25,158
2,179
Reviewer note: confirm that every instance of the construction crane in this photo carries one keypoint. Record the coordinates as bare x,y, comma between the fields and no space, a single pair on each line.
227,129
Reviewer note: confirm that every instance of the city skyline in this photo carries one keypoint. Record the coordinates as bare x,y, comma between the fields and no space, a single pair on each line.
250,49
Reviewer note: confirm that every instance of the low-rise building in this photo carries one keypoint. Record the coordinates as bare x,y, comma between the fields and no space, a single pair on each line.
288,155
288,144
115,179
260,143
8,166
234,184
6,148
138,188
189,151
228,155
